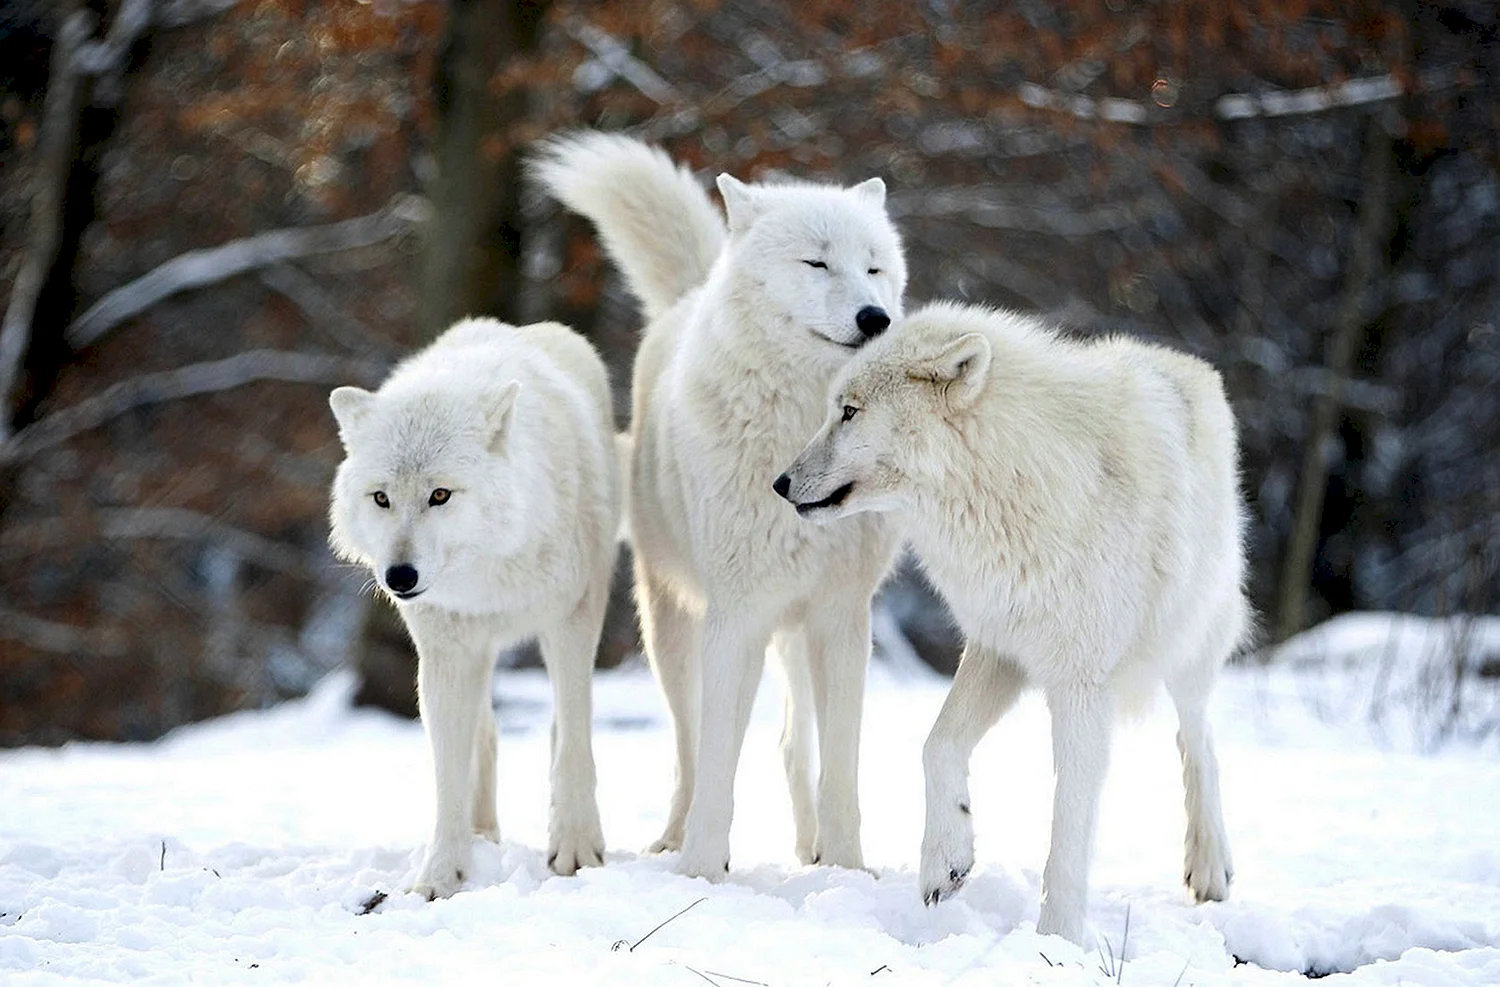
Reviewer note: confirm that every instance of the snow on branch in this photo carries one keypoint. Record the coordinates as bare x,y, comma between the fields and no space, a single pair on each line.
1354,92
188,381
198,268
614,56
1107,108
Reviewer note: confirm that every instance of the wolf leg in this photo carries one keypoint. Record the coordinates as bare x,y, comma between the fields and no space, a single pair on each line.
1207,867
574,836
734,653
839,653
453,675
797,733
1082,719
985,686
485,822
672,636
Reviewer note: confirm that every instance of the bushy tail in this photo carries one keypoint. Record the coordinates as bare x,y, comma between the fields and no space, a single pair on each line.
656,221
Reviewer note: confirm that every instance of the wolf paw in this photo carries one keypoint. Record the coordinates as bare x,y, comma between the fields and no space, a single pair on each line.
573,846
1057,921
708,862
947,855
441,875
838,854
1207,870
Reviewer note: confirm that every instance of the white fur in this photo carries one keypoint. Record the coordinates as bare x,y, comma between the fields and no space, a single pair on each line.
728,379
516,423
1077,505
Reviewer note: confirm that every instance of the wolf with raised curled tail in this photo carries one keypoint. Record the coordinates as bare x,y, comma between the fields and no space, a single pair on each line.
747,322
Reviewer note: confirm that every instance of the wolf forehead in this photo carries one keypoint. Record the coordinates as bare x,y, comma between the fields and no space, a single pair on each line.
417,439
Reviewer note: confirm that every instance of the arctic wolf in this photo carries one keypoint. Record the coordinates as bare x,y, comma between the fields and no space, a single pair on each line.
481,486
747,325
1077,505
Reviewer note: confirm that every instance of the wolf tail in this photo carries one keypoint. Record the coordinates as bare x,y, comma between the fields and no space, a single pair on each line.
658,224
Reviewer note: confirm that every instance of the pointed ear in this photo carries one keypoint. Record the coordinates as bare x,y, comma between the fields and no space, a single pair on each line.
351,406
871,191
961,368
741,203
499,407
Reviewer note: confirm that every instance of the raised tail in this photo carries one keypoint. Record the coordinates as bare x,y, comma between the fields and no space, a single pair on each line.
658,224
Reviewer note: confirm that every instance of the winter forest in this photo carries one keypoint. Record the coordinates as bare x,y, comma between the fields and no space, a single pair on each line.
212,212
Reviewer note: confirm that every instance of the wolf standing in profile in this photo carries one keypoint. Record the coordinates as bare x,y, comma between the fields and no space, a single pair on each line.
746,327
481,486
1077,505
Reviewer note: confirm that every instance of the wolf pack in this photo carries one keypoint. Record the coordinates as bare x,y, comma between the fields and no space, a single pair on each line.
1075,502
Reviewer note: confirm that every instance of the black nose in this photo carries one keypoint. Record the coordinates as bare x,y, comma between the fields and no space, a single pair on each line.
401,578
782,485
871,321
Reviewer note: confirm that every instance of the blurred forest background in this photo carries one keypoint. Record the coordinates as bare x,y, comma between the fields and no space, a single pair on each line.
212,211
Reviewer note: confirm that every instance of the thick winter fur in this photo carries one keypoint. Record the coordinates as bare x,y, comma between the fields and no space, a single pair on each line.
747,326
1077,505
515,425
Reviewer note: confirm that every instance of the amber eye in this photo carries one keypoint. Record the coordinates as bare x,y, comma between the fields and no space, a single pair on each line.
849,412
381,500
439,496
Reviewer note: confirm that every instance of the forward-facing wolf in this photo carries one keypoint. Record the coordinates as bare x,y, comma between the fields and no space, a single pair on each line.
481,486
1077,505
747,325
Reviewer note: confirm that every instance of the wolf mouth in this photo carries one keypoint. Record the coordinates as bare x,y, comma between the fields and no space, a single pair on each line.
409,594
832,500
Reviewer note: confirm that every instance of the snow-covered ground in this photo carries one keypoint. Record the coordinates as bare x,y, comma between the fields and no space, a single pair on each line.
240,851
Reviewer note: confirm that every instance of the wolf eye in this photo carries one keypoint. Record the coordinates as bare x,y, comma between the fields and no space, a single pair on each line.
849,412
381,500
439,496
816,263
874,270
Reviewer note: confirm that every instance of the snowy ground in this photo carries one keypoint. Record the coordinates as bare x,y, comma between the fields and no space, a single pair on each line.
239,851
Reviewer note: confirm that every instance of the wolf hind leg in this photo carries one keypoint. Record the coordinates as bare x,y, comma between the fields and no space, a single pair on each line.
798,732
672,636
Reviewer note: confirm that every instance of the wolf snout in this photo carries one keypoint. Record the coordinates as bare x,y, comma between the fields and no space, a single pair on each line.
782,485
401,579
871,321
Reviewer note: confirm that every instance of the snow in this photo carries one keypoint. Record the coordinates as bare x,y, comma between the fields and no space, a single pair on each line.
241,850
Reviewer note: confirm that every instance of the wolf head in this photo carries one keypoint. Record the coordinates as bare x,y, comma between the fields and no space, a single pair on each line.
815,259
427,490
883,406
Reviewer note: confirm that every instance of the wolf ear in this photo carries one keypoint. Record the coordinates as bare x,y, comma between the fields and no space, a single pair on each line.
870,191
499,409
961,368
741,203
351,406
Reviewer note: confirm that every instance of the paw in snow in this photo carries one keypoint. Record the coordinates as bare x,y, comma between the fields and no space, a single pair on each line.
1207,869
841,853
670,842
697,860
1065,922
574,843
442,874
947,852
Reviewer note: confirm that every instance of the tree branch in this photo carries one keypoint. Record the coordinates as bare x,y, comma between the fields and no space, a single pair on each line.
198,268
194,379
57,638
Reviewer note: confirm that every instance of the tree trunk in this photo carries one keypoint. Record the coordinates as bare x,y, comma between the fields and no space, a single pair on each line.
1371,238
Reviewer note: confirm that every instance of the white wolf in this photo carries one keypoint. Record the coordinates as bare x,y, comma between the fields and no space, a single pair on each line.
746,328
1077,505
481,486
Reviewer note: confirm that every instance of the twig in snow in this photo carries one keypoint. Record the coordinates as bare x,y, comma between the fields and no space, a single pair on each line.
1110,965
198,268
371,903
1178,981
882,968
701,975
621,942
1045,960
738,980
162,864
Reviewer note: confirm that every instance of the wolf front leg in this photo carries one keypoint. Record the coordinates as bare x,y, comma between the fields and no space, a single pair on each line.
454,663
575,838
839,652
1082,717
734,654
985,686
